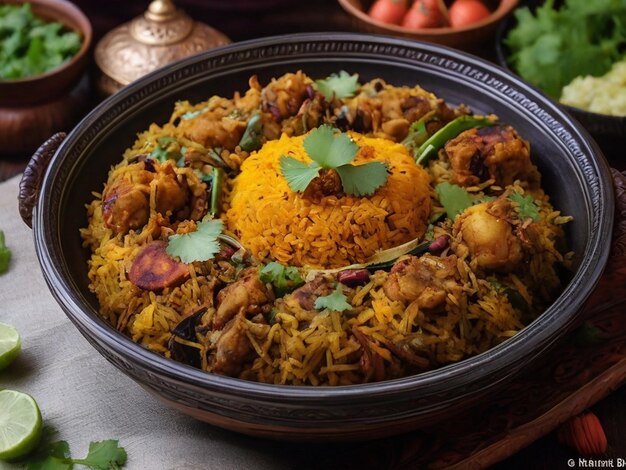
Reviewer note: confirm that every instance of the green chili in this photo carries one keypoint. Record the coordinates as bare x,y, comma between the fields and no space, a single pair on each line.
436,141
216,191
251,139
417,132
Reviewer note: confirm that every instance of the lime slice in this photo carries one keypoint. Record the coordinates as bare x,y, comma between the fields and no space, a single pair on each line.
20,424
10,344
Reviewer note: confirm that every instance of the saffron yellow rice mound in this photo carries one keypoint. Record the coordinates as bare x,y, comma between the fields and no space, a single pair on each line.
277,223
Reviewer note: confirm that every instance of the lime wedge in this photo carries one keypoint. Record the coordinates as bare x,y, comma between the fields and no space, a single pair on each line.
10,344
20,424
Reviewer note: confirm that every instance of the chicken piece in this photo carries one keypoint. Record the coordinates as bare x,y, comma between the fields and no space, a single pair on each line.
371,363
125,201
388,111
425,280
153,269
328,183
171,195
126,198
248,293
489,237
309,292
496,152
211,129
284,96
233,348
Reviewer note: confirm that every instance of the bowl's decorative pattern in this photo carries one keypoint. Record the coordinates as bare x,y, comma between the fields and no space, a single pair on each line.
579,180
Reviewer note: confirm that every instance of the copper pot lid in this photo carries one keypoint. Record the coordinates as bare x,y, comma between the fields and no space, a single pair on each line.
161,35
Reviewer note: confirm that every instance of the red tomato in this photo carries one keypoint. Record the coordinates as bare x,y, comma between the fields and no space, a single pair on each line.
464,12
426,14
388,11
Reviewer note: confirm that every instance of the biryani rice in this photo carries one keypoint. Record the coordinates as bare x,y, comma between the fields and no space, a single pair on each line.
323,348
275,222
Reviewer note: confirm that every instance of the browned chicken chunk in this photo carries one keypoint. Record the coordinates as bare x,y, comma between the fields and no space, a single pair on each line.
489,237
247,293
426,280
309,292
154,269
496,152
233,348
284,96
212,129
126,199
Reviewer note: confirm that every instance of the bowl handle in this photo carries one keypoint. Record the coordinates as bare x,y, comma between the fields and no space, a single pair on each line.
30,184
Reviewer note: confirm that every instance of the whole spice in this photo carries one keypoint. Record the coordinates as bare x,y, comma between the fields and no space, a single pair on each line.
584,433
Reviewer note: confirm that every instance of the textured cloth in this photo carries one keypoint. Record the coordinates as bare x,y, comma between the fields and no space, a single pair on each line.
84,398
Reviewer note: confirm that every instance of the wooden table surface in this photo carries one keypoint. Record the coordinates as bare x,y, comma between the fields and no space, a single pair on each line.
288,16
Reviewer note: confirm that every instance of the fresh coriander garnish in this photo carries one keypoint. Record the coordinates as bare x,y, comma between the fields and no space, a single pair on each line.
338,86
5,254
194,114
526,206
103,455
283,278
330,149
453,198
167,148
335,301
201,245
31,46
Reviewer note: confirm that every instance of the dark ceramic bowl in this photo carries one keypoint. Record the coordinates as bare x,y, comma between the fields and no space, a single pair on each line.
575,175
608,131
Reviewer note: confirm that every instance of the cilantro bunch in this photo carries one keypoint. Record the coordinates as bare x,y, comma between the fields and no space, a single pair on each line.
30,46
551,47
330,149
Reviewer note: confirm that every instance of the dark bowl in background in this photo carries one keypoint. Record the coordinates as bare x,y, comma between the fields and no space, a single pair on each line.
608,131
575,176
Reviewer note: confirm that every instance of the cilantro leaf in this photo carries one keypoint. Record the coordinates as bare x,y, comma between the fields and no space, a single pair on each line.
342,85
331,150
5,254
363,180
52,456
193,114
551,46
328,149
526,206
167,148
201,245
29,46
453,198
298,174
284,279
335,301
104,455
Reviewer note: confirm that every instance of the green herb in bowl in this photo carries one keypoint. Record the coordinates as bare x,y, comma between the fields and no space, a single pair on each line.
31,46
553,44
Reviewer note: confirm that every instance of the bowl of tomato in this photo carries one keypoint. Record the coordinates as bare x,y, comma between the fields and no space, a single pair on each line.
463,24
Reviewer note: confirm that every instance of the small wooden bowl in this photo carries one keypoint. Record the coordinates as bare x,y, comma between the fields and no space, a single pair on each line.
466,38
32,108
